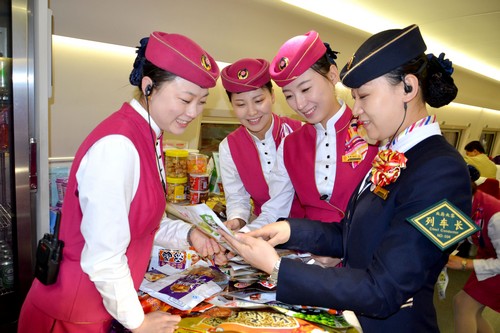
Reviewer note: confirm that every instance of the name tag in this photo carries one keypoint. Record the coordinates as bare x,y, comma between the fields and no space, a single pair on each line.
444,224
381,192
352,158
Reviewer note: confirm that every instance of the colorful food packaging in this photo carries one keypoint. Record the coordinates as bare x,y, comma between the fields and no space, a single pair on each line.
186,290
197,163
176,163
198,182
176,189
196,197
180,259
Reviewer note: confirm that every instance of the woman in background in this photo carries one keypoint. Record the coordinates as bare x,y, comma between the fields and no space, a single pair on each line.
323,161
391,267
248,154
115,199
482,289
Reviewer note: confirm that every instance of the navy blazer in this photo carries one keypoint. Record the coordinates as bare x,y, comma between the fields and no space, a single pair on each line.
390,267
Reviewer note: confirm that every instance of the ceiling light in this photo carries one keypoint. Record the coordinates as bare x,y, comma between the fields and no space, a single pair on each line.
362,19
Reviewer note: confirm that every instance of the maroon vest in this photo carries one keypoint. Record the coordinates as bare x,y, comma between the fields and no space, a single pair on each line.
246,158
74,297
300,157
489,206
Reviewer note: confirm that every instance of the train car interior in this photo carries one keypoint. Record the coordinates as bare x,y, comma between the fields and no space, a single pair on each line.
94,43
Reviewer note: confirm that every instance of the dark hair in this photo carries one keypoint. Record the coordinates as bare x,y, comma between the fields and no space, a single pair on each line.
434,76
473,172
322,65
474,175
475,145
143,67
268,86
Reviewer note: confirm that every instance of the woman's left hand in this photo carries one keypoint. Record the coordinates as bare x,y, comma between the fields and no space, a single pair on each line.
454,262
256,251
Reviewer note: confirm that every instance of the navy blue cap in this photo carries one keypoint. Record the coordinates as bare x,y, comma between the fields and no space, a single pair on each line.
381,53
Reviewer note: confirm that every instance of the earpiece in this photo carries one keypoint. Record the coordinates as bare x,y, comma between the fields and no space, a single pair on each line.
407,88
148,90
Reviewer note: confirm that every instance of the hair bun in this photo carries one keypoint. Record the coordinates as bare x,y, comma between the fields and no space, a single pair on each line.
136,74
441,86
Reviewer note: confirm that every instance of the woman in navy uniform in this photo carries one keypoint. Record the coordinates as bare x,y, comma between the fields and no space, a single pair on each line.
391,267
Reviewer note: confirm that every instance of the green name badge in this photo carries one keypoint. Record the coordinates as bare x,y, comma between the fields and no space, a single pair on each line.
444,224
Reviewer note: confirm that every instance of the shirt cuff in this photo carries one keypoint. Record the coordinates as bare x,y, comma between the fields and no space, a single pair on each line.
172,234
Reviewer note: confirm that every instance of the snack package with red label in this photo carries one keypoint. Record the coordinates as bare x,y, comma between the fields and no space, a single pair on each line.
150,304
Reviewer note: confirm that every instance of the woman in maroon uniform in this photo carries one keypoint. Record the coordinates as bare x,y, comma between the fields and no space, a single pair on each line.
248,154
323,161
115,199
482,289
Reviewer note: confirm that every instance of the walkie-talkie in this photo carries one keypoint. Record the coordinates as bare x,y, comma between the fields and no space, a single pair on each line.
49,255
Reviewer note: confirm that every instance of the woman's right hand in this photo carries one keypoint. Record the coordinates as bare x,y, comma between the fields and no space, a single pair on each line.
207,246
234,224
158,321
274,233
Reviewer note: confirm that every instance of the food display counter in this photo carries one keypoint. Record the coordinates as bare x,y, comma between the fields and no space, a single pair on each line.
231,298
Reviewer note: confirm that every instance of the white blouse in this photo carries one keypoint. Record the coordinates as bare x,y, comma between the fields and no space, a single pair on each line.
486,268
108,177
237,197
281,189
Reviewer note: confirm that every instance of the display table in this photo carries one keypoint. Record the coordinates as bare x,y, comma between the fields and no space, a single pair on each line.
258,320
263,318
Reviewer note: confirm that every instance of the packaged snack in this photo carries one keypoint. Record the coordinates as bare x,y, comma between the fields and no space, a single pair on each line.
198,182
215,185
179,259
196,197
176,189
197,163
184,291
176,163
151,304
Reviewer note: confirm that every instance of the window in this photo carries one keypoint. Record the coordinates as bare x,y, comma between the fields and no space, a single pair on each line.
487,139
211,134
452,136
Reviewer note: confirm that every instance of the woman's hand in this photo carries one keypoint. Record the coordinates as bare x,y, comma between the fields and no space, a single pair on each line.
459,263
275,233
326,261
234,224
207,246
158,321
256,251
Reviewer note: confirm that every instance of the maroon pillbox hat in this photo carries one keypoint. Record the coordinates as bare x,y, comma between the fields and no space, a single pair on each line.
245,75
294,57
183,57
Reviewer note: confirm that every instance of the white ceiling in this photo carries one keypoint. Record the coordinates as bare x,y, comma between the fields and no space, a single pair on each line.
462,28
233,29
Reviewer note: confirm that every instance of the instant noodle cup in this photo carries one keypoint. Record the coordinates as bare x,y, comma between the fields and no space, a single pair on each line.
176,163
198,182
196,197
176,189
197,163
